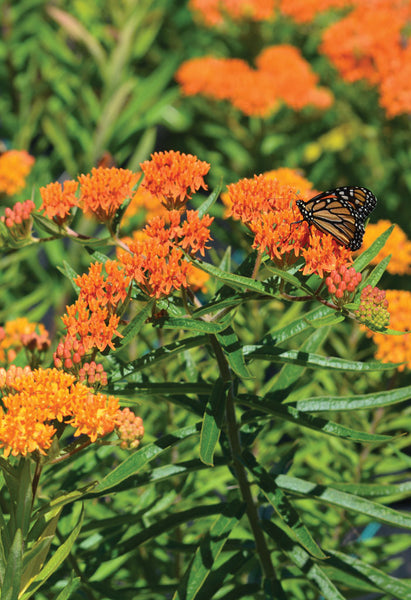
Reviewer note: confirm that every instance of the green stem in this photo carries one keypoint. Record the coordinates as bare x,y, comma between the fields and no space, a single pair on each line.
235,446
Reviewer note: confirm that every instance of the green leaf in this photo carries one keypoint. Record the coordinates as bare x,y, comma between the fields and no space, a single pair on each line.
55,561
350,502
208,203
237,281
327,321
395,588
308,567
163,353
376,274
212,422
36,557
71,275
366,257
11,584
131,331
359,402
233,350
191,324
283,507
309,360
208,551
138,460
287,413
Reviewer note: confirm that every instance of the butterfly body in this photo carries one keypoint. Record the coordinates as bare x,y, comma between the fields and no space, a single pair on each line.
341,213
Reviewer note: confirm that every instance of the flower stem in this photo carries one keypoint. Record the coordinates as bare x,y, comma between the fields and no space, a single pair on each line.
235,447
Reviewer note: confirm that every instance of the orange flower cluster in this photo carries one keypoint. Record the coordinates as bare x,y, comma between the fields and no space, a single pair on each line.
304,11
398,245
15,165
38,398
59,199
104,191
19,334
267,206
368,44
92,321
170,175
393,348
255,91
214,12
101,194
157,262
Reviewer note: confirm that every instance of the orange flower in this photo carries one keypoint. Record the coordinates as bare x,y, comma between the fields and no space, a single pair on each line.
59,199
157,263
267,206
104,191
397,245
393,348
304,11
294,82
169,176
15,165
18,334
395,84
99,291
255,92
366,39
95,329
37,399
214,12
146,203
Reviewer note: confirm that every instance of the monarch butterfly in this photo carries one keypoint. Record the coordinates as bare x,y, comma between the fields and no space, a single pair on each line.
340,212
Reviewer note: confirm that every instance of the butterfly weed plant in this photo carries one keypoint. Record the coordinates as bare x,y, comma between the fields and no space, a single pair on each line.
272,437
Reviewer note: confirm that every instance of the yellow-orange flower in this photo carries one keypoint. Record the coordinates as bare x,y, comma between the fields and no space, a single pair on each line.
214,12
37,399
398,245
58,199
15,165
396,348
104,191
170,175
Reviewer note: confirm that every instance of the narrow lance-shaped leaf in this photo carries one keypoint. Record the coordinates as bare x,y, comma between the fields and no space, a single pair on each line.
208,551
213,421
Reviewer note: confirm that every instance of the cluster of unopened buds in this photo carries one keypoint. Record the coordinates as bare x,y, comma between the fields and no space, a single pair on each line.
342,284
18,219
93,374
129,429
69,353
373,309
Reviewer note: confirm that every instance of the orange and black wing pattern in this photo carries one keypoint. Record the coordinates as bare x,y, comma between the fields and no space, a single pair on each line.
341,212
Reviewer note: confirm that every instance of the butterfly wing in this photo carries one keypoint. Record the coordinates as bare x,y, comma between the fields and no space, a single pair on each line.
341,213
